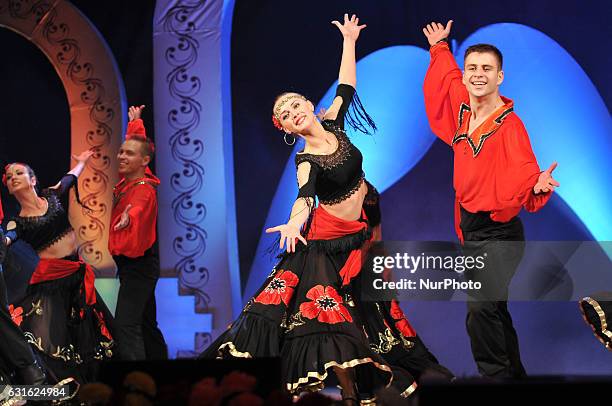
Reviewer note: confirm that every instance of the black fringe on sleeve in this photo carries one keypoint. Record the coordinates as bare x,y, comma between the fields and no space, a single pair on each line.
75,186
358,118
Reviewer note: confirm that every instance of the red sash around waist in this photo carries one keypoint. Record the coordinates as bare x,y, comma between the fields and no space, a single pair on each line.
326,226
50,269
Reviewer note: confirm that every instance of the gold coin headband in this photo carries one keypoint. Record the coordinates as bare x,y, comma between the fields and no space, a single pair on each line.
277,110
284,100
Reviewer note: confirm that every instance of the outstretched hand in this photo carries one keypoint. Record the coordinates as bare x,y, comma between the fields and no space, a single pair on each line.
134,112
435,32
289,234
546,183
83,156
124,220
351,28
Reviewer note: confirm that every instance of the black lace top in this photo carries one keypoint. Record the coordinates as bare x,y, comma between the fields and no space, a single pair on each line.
43,231
334,177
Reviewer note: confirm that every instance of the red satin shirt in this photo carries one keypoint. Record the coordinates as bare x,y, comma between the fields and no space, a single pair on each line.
140,234
133,240
495,169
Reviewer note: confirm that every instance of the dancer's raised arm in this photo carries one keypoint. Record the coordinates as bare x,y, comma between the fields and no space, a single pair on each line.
350,30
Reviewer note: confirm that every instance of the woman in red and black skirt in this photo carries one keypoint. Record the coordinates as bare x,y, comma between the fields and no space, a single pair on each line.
61,314
306,311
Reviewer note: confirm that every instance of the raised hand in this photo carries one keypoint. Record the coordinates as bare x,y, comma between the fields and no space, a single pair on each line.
435,32
351,28
124,220
134,112
83,156
545,182
288,235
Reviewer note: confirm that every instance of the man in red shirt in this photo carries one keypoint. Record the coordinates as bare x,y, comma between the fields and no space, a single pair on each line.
495,175
132,243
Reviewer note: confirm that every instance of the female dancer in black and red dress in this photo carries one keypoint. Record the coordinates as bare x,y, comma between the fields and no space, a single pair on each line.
61,315
306,311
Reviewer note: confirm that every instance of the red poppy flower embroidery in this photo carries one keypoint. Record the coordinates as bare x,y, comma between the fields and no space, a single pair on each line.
401,323
102,324
325,305
279,288
16,314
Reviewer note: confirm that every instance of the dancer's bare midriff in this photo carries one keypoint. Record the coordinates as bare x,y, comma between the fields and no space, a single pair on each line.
64,247
349,209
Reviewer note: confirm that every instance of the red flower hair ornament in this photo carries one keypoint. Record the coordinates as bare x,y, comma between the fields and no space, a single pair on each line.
276,122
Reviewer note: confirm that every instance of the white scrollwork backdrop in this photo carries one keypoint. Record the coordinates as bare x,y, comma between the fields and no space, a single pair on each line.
194,154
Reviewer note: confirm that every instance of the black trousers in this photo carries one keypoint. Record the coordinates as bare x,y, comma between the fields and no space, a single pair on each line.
138,334
493,339
15,351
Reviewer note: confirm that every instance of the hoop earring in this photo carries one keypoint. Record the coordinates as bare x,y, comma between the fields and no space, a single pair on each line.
287,142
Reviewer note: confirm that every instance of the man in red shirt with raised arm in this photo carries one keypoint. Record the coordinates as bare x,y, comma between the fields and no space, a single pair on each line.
132,243
495,175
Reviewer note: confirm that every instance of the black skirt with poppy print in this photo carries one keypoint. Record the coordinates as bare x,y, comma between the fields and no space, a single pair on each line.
303,314
391,335
69,337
